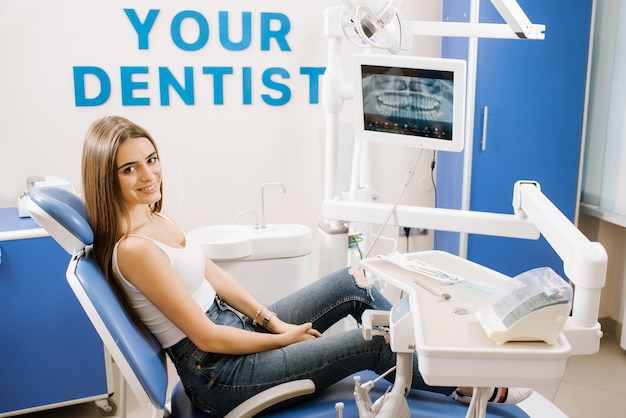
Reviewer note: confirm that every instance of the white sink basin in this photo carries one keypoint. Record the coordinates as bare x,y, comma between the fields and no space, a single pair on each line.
226,242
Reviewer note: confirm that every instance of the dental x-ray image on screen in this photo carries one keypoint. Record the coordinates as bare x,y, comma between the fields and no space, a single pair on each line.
416,103
411,101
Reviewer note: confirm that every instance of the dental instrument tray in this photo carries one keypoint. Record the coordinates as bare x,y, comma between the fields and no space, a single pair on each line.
452,347
532,306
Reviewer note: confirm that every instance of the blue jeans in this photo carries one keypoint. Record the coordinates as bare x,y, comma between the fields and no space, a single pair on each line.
216,383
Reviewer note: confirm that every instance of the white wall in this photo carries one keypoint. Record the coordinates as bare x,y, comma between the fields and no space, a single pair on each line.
215,157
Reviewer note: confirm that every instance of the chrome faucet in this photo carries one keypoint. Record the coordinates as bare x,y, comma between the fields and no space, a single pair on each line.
263,199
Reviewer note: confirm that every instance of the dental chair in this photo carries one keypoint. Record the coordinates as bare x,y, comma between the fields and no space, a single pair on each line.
142,362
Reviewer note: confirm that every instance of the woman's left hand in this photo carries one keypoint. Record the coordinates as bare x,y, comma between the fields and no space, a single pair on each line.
277,326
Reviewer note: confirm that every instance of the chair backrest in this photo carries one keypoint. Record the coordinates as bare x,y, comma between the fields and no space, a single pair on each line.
137,353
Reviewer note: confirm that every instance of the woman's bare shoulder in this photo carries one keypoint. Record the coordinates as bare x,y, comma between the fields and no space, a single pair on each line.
136,247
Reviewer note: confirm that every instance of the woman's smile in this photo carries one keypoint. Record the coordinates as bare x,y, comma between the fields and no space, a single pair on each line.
149,189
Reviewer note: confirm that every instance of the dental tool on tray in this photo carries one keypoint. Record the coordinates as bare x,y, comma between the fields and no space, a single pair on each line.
426,270
420,267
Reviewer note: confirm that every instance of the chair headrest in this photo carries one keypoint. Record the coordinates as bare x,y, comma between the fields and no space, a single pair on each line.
63,215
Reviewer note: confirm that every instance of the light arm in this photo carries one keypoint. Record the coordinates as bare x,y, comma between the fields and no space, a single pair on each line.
517,19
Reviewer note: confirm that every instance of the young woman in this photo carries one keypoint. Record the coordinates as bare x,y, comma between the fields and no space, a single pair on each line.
226,347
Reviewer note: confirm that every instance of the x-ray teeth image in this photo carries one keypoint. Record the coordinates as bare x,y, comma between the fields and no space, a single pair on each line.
397,96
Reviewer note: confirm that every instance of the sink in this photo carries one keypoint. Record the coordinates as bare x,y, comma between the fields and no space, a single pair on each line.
223,241
226,242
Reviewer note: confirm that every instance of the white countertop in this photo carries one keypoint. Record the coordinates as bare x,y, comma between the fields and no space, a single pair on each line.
12,227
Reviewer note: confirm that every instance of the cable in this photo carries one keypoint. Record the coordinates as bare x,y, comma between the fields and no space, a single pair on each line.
407,233
407,180
432,179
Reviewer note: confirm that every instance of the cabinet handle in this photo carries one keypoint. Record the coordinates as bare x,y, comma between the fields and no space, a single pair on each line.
483,142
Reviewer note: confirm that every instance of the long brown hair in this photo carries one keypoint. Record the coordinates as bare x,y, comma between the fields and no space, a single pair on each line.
102,191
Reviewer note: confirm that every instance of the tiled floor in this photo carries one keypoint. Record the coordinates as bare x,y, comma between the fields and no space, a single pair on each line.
593,386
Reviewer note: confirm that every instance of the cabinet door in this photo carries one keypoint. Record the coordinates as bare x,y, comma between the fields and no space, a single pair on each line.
534,91
49,351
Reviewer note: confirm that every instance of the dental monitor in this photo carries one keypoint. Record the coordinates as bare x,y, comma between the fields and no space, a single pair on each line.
410,101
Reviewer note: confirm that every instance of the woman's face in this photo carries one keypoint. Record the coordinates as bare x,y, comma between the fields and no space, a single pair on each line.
139,172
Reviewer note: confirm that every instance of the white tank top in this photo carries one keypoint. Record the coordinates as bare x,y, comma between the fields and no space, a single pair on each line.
189,263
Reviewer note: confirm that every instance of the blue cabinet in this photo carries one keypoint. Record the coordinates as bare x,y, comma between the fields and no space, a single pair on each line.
535,92
50,354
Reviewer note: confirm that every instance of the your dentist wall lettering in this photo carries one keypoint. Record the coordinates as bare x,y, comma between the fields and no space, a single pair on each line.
272,25
190,31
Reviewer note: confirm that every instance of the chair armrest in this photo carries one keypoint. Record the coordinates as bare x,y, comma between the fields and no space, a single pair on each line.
272,396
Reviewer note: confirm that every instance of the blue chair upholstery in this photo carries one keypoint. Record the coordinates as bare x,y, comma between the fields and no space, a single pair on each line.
141,360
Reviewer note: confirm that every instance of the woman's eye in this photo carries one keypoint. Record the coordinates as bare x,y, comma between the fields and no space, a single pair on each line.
129,169
152,160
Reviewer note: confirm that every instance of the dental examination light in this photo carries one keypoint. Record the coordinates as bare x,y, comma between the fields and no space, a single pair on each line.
371,23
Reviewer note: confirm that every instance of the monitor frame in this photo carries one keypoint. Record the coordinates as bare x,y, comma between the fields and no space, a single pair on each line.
430,68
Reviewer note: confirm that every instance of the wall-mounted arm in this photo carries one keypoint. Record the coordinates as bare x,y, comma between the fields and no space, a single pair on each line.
584,263
455,220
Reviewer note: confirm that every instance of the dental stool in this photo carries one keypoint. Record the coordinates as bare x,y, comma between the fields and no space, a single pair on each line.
142,361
